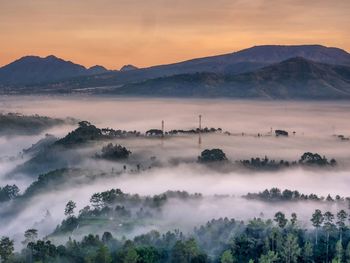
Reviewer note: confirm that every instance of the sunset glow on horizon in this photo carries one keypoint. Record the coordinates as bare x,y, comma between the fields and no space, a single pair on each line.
145,33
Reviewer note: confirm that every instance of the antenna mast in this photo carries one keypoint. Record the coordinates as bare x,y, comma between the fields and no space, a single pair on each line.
200,130
162,128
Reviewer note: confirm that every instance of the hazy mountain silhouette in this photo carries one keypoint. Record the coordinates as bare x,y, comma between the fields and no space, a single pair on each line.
34,69
295,78
234,63
128,67
97,69
304,71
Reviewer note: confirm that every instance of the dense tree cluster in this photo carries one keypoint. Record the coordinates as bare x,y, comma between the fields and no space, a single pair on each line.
8,192
275,194
47,181
113,152
278,240
265,164
41,145
307,159
281,133
195,131
18,124
212,155
85,132
89,132
157,132
114,207
111,133
154,132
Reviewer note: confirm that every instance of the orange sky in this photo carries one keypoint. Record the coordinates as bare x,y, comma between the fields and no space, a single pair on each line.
149,32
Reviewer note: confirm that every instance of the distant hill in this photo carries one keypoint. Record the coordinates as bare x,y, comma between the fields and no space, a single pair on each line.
65,75
12,124
256,57
33,69
270,71
242,61
97,69
295,78
128,68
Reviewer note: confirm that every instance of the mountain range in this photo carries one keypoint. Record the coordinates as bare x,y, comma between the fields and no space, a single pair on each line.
270,71
295,78
34,69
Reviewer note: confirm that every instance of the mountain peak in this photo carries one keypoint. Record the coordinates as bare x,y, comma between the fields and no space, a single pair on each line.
52,57
97,69
128,67
277,53
35,69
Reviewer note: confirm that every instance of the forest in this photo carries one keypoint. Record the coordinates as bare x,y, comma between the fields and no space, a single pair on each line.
279,239
118,189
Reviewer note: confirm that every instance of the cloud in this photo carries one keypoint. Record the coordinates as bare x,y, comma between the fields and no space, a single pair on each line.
314,123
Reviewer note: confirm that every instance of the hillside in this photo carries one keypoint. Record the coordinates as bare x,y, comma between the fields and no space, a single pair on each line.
33,69
233,63
295,78
77,77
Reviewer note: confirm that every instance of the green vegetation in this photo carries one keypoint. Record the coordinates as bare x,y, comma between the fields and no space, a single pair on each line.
281,133
48,181
308,159
17,124
114,208
195,131
88,132
8,192
85,132
213,155
41,145
220,240
113,152
276,195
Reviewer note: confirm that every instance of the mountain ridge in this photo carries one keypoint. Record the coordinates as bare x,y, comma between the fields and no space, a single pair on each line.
295,78
245,60
261,71
36,69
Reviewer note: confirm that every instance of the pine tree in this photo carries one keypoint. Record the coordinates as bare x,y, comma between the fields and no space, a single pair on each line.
131,256
291,250
317,220
69,210
227,257
103,255
328,225
270,257
308,252
341,218
281,219
339,252
6,248
347,253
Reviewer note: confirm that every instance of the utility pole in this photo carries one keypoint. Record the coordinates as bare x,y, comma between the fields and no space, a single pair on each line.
162,128
200,130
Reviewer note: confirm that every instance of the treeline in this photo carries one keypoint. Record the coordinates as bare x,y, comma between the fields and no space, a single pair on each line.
275,194
308,159
113,207
18,124
87,132
113,152
8,192
224,240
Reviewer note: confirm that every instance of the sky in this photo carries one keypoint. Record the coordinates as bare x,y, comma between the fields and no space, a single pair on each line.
113,33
